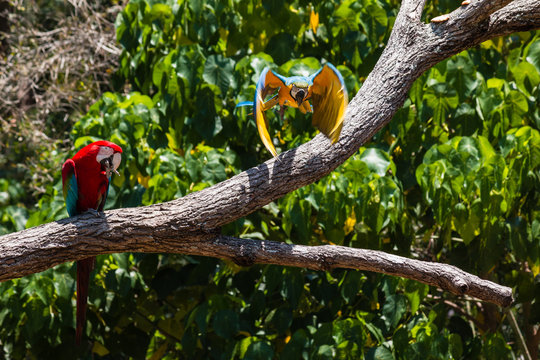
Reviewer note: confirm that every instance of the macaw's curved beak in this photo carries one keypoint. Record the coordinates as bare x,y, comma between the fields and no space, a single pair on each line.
110,164
300,97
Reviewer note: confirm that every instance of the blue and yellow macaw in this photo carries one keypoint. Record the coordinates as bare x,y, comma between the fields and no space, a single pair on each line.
326,90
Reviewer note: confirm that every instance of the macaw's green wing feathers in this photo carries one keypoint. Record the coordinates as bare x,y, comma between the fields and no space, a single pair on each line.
69,186
268,82
330,100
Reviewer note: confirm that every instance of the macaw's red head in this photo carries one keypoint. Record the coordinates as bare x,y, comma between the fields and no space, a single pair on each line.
101,156
85,177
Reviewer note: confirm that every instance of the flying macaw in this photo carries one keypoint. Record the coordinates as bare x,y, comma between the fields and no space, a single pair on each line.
326,89
85,180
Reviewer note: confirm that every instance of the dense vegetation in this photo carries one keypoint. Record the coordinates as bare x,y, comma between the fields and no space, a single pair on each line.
454,178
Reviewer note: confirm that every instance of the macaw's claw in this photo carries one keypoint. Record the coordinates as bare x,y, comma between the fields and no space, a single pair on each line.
98,214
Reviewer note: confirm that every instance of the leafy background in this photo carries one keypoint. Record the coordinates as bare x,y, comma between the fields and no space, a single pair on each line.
454,178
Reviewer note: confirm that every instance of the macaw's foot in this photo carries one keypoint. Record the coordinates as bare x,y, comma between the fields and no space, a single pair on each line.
96,213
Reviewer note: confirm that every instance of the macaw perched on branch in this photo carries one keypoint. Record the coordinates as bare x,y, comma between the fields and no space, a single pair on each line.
326,89
85,180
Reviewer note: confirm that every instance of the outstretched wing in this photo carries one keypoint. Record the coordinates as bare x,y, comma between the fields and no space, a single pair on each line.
268,82
330,100
69,186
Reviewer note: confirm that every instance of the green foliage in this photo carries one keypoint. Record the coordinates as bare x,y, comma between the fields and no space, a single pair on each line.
454,176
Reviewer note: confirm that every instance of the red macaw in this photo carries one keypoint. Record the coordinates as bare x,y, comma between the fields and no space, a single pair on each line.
85,180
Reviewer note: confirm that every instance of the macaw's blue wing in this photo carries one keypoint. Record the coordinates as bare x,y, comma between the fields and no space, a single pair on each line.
268,82
69,186
330,99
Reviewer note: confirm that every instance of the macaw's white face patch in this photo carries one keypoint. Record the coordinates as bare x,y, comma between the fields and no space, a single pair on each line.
109,160
299,92
104,152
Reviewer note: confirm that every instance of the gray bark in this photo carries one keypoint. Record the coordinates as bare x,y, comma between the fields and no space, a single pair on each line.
191,225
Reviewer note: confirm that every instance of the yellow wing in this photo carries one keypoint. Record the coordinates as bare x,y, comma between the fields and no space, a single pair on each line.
268,82
330,100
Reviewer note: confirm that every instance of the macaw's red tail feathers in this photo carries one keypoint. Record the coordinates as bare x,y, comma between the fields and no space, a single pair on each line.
84,267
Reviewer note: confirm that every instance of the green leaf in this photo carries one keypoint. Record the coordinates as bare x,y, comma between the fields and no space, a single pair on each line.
441,98
292,286
218,71
527,77
161,11
300,67
393,309
515,106
259,351
206,122
486,150
462,76
374,21
489,102
400,339
281,319
226,323
377,160
533,54
345,19
455,346
326,352
469,154
213,172
496,348
379,353
415,292
280,47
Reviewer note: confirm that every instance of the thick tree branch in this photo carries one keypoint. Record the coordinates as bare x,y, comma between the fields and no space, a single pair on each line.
44,246
191,224
475,12
327,257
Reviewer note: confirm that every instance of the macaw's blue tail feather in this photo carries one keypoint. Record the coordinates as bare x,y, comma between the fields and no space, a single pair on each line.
244,103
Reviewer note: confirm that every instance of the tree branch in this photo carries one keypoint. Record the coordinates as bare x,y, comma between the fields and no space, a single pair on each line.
246,252
191,224
474,12
44,246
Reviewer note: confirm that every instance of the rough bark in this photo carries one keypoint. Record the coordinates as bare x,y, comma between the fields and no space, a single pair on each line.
191,224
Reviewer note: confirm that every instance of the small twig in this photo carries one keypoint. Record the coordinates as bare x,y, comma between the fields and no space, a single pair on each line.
468,307
519,335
